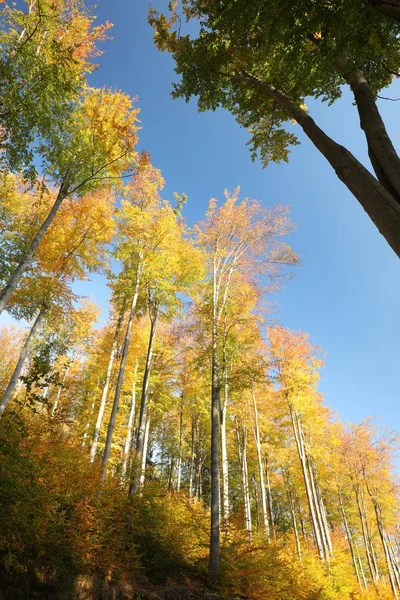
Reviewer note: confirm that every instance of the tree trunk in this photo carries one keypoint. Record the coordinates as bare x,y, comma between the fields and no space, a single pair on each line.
121,373
242,449
144,454
370,558
215,526
379,204
224,458
129,431
382,535
59,392
22,357
294,520
382,153
388,8
349,539
193,456
303,461
143,406
106,386
260,468
269,500
26,259
180,456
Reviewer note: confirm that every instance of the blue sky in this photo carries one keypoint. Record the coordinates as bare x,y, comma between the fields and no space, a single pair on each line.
346,294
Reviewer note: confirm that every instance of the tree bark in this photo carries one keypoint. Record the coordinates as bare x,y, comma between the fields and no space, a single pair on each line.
22,357
388,8
241,434
144,454
293,514
349,539
382,153
215,525
224,456
26,259
129,431
311,504
180,456
106,386
379,204
143,406
269,499
260,469
121,373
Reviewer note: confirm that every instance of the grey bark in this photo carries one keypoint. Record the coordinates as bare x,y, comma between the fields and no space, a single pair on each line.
129,430
143,405
103,401
379,204
121,373
22,357
30,252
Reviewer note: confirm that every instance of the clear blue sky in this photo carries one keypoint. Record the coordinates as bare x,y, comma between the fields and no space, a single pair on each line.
347,293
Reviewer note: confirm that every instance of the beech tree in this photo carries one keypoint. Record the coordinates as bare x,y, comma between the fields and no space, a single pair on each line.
261,61
238,237
47,50
95,146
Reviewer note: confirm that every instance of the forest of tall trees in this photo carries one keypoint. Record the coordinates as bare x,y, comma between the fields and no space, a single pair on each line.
179,447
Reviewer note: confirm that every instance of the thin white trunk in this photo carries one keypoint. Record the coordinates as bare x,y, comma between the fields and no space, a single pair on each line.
224,461
242,449
180,457
144,455
260,469
302,456
30,252
22,357
129,431
103,401
121,373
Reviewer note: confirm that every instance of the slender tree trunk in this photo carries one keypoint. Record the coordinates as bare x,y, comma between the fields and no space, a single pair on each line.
242,449
303,462
193,456
360,565
180,455
121,373
319,507
87,425
106,386
22,357
269,500
349,539
380,205
215,525
382,535
144,455
370,558
129,431
224,458
260,468
294,520
143,405
59,392
30,252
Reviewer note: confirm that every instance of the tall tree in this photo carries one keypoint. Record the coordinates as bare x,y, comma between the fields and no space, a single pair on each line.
261,61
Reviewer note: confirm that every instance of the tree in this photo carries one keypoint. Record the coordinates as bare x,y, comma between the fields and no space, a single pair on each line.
261,61
96,146
238,237
46,51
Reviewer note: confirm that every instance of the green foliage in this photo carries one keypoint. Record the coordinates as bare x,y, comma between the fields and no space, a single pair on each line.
296,46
